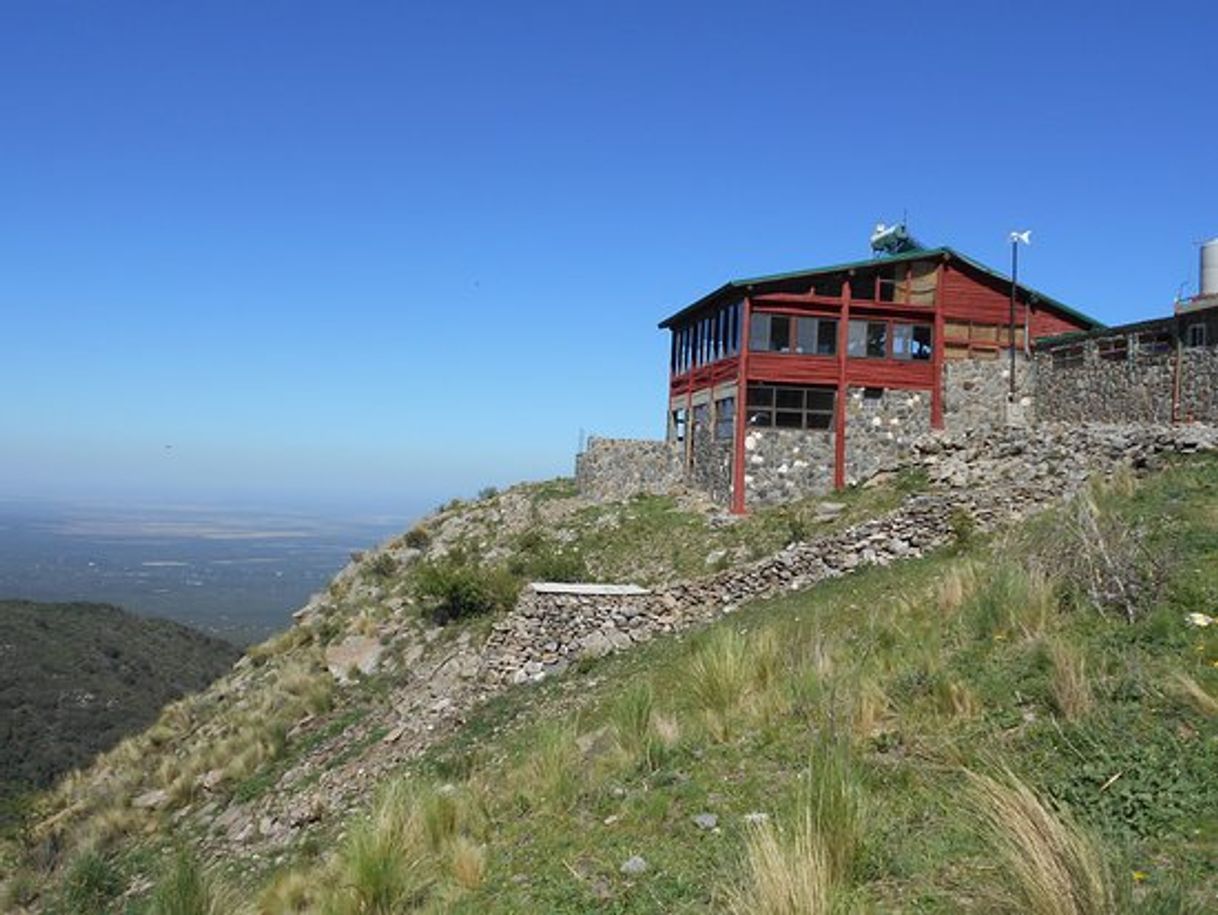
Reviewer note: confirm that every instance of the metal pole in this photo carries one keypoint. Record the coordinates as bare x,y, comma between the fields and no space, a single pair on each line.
1014,281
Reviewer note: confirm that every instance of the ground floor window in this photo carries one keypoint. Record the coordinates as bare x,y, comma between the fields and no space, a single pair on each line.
1196,335
678,425
791,407
725,418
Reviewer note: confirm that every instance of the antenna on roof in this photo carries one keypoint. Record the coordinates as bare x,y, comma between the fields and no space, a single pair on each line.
894,239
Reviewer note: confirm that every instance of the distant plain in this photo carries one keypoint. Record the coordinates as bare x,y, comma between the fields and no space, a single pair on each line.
237,573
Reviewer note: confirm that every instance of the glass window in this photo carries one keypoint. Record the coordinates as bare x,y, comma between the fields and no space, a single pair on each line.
922,336
826,337
1196,335
678,425
725,418
862,287
807,336
761,395
856,344
759,332
877,339
791,406
789,398
902,340
780,333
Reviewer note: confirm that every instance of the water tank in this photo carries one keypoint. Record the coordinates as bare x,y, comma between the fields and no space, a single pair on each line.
1209,267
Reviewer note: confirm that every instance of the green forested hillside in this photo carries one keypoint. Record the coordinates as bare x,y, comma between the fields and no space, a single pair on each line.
75,678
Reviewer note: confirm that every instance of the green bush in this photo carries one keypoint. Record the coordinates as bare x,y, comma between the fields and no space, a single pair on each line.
538,558
417,538
453,589
488,492
383,565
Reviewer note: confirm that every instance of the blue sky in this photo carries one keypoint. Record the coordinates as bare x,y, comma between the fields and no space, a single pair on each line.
391,252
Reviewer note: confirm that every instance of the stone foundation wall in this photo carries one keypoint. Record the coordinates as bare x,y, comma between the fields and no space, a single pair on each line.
785,464
712,465
617,468
976,391
880,431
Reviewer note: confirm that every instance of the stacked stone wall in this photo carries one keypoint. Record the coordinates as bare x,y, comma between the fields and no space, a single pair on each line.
712,464
785,464
1199,384
1136,388
617,468
976,391
881,430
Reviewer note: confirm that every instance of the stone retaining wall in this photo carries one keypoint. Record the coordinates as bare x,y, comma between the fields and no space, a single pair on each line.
880,430
617,468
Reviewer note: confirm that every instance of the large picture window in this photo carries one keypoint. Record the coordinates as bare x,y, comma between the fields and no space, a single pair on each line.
807,336
790,407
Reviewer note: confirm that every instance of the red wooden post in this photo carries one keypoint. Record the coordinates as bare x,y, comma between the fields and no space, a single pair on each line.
937,354
839,429
742,397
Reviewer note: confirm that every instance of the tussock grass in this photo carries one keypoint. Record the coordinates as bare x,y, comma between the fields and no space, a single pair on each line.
1194,694
1051,865
289,893
550,776
835,805
186,888
1015,601
381,867
785,874
468,862
1069,682
718,679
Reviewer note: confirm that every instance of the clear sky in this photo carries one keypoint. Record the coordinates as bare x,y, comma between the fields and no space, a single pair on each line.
393,252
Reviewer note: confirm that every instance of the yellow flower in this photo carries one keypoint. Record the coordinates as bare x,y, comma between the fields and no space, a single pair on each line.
1139,876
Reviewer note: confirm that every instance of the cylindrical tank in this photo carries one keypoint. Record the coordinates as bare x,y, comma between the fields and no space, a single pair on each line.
1209,267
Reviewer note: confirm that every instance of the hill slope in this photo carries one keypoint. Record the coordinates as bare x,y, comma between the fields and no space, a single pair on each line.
76,678
880,730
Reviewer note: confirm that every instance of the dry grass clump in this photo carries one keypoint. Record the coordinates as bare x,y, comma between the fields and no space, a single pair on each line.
732,677
1069,682
956,586
786,874
289,893
1014,600
1051,865
549,778
186,888
1194,694
468,862
806,870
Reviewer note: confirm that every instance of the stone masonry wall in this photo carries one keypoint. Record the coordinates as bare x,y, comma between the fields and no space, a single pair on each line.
617,468
880,431
712,464
1199,384
975,391
1135,389
785,464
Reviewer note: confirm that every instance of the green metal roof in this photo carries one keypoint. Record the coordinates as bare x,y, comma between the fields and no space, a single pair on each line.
742,286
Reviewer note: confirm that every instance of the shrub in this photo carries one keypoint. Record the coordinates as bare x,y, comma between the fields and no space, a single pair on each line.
488,492
456,590
537,558
383,565
417,538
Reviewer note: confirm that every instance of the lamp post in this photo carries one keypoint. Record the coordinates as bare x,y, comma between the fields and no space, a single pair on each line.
1017,238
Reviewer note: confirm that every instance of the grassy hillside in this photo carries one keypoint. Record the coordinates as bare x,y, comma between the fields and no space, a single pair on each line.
76,678
1022,723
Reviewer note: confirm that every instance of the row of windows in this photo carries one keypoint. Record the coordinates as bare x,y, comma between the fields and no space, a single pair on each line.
791,407
706,340
818,336
724,419
1149,344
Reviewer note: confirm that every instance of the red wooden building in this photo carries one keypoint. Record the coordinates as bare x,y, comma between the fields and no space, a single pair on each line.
798,382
